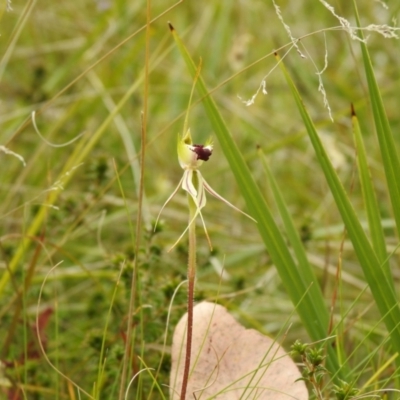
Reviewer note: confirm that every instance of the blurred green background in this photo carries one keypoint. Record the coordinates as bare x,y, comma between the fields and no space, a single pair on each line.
45,46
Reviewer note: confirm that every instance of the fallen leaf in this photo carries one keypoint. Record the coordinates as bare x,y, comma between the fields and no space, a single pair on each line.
231,362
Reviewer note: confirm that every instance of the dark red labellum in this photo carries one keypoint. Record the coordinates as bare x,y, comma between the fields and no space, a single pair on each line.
203,153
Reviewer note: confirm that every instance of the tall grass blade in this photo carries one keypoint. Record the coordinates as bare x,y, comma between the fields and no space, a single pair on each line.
381,287
370,200
390,158
291,231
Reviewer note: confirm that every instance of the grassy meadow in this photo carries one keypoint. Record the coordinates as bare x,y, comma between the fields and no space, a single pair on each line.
93,97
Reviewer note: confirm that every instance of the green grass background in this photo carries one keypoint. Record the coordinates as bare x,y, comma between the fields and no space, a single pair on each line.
46,46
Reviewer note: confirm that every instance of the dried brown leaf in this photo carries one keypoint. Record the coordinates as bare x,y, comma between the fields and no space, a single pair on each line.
231,362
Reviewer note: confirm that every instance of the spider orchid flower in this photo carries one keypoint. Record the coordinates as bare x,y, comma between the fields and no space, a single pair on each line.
191,157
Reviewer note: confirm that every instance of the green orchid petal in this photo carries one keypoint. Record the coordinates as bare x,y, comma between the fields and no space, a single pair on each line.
186,156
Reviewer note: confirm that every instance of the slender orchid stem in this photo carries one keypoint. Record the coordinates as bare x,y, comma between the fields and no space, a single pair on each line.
191,281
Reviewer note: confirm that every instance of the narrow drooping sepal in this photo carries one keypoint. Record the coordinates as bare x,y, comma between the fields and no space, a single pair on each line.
219,197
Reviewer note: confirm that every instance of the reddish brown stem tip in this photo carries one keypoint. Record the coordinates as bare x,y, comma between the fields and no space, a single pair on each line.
171,28
353,112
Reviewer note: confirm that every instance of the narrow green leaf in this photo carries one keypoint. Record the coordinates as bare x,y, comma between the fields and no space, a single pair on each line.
302,287
370,201
380,286
390,158
291,231
297,245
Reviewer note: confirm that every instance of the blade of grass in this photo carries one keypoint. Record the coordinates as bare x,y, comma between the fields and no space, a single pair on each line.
391,162
135,295
288,223
311,306
297,245
370,201
381,288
